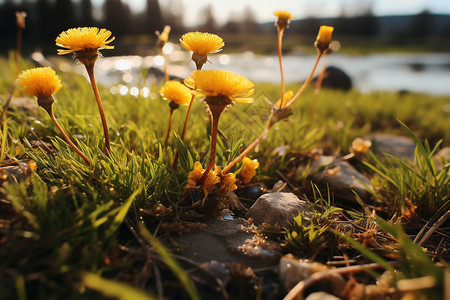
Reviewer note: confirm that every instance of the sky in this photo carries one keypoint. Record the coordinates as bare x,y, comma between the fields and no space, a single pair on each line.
263,9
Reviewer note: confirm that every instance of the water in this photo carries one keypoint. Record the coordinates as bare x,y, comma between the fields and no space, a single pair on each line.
422,73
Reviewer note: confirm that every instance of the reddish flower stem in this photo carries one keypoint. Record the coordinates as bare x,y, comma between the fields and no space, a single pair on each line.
183,132
317,89
90,71
215,114
52,116
280,39
305,84
247,150
170,125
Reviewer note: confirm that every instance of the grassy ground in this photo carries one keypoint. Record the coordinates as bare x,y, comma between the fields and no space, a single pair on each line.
70,228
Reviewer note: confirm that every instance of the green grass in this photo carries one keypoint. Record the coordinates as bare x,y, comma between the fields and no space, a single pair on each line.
72,221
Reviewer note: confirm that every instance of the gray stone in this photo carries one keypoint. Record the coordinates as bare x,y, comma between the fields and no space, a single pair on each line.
321,296
395,145
442,157
341,178
278,208
228,241
293,270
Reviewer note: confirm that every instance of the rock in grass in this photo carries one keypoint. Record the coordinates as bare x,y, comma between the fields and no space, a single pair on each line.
228,241
441,158
321,296
340,178
278,208
395,145
293,270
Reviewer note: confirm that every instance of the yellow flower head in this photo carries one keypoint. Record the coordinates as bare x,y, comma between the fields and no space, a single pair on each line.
324,38
227,181
39,82
197,173
164,36
176,92
221,84
360,146
83,38
287,96
201,42
248,170
284,18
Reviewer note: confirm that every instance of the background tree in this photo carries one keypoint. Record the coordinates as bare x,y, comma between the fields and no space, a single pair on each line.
118,17
207,20
86,17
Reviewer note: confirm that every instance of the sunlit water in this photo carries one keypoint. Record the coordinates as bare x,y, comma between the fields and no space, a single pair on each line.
422,73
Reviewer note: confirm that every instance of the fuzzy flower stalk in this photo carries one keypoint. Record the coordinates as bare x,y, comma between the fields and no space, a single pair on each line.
162,39
322,45
281,110
219,89
20,23
200,44
85,43
177,94
282,23
43,83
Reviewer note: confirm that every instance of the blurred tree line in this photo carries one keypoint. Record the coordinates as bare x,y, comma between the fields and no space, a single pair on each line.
47,18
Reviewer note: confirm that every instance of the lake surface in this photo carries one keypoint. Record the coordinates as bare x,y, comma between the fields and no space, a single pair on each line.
422,73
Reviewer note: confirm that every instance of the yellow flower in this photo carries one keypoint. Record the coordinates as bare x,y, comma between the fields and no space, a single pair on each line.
201,42
83,38
324,38
164,36
248,170
221,84
227,181
287,96
197,173
39,82
284,18
176,92
360,146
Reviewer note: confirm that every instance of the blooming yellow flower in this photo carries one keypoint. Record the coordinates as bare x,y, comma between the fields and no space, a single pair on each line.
360,146
216,83
83,38
227,181
197,173
324,38
287,96
284,18
201,42
176,92
39,82
248,170
163,36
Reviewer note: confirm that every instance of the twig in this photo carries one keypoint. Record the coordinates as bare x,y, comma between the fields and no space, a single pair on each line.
302,285
159,286
434,227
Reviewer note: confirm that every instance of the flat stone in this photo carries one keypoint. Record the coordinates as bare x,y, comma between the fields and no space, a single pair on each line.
228,241
441,158
321,296
278,208
341,178
395,145
293,270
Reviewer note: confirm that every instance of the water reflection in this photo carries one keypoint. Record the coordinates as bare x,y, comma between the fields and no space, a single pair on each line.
423,73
